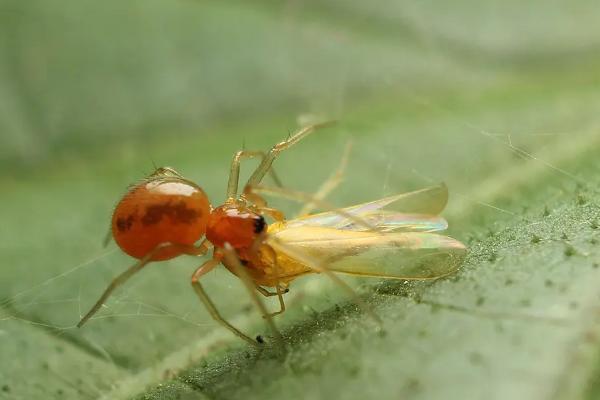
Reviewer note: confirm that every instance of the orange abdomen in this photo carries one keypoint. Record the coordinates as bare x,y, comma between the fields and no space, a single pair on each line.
159,211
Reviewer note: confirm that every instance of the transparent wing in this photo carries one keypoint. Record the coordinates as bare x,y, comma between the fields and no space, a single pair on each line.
390,221
414,211
431,200
399,255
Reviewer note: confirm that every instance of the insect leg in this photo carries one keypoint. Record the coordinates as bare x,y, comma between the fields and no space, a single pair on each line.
210,306
278,291
279,295
123,277
318,266
233,260
266,163
331,183
266,293
234,172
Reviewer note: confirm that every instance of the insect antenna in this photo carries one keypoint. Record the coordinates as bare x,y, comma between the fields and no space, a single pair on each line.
331,183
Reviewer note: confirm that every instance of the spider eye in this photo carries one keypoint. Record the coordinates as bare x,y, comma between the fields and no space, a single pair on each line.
259,224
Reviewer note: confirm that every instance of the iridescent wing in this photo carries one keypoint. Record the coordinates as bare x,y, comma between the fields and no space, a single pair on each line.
389,221
399,255
414,211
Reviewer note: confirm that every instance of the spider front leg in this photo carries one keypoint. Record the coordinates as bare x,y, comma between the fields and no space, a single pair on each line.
260,205
234,172
267,161
233,261
208,303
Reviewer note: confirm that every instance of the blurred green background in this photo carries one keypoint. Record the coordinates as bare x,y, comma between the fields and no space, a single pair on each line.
498,99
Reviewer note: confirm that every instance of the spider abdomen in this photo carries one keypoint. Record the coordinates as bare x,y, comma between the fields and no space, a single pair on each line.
156,212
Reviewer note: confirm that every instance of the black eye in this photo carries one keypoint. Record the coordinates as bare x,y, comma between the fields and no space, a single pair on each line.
259,224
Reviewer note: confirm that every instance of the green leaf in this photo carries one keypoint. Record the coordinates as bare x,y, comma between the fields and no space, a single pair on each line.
498,100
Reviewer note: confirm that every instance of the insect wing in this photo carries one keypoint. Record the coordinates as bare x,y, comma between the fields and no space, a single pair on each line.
390,221
399,255
431,200
414,211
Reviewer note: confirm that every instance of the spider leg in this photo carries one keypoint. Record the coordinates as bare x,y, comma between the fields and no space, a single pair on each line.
260,205
138,266
267,161
233,260
208,303
234,172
